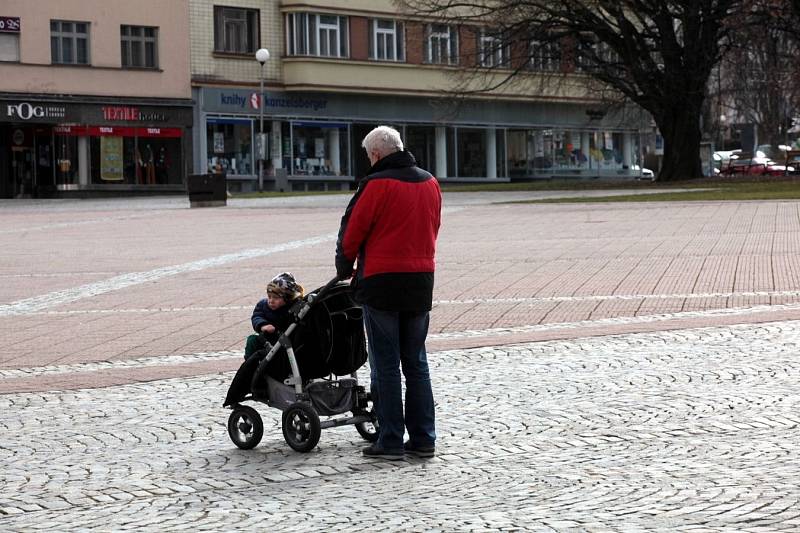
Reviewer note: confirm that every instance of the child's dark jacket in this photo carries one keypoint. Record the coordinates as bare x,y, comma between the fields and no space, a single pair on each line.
263,315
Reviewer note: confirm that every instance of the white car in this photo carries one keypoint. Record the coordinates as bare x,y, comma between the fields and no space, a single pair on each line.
645,174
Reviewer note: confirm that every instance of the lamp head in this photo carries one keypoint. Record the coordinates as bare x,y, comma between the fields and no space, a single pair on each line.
262,55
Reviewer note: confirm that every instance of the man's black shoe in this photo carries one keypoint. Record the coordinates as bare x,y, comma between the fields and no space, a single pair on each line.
378,453
423,452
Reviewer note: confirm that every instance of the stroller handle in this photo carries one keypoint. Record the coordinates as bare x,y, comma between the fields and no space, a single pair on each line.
323,290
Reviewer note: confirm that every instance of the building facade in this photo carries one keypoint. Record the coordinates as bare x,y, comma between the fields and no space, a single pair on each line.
340,67
95,97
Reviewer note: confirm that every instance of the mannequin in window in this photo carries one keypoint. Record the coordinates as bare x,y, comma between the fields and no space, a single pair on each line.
139,166
162,165
149,161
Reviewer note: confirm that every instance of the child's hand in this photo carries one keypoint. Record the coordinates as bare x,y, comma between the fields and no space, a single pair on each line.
268,328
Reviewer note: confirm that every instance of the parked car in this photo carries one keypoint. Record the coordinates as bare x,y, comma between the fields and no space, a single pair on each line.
755,165
644,174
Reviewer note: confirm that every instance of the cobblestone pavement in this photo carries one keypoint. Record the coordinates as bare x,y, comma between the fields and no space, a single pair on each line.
605,367
687,430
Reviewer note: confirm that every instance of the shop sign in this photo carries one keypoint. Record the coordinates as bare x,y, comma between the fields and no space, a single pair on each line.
116,131
131,114
9,24
34,112
70,130
253,101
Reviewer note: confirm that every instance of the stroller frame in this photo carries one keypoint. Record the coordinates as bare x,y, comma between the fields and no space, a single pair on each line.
300,422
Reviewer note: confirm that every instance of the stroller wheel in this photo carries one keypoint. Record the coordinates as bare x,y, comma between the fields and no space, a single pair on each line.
369,430
245,427
301,427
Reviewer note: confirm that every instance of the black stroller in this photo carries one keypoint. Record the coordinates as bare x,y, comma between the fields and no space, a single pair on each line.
310,371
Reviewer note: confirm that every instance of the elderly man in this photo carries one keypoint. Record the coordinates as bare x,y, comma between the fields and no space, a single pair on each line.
390,226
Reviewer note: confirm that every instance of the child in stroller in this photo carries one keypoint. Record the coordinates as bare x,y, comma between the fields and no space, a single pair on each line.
310,371
271,314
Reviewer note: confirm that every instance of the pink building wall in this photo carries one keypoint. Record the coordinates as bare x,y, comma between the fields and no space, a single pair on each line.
104,76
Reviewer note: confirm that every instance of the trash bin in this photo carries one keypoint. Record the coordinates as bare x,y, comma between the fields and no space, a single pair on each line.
207,190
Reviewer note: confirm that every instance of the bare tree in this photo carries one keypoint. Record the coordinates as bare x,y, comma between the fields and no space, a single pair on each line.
760,81
658,54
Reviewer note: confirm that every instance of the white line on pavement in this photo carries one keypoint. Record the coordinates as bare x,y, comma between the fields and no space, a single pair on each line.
38,303
623,297
733,311
470,301
103,220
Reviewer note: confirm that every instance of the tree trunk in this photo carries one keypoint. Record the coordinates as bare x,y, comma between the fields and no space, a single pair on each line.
680,128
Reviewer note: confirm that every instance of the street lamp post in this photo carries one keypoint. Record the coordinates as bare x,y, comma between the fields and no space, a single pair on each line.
262,55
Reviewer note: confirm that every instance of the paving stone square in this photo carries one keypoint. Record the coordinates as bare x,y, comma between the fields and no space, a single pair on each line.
596,367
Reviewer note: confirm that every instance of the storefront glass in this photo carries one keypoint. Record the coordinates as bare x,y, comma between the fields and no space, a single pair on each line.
118,155
230,146
131,160
421,141
471,148
320,149
606,151
66,156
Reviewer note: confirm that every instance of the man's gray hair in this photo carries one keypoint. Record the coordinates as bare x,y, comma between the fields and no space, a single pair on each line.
384,140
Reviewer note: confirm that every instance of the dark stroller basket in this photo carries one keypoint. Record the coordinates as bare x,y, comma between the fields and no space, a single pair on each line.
325,340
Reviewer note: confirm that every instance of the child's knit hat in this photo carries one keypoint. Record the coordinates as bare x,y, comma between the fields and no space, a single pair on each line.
285,286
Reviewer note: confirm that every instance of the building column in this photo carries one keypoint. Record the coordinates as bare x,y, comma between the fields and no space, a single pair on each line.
441,152
491,153
627,150
333,150
276,146
83,161
585,147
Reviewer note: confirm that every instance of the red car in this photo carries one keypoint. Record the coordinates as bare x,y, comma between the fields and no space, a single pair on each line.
742,163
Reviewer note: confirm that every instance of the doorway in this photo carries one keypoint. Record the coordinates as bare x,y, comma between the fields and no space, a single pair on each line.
21,171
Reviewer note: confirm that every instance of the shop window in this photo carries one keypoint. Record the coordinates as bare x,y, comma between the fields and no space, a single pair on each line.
606,150
441,44
317,35
69,42
9,38
135,160
230,146
471,149
320,149
421,141
66,159
139,46
236,30
492,51
386,40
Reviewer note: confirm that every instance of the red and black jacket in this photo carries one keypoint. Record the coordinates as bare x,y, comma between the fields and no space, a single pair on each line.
390,226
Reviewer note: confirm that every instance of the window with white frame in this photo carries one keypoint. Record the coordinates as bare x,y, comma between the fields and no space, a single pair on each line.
317,35
9,38
69,42
139,46
9,46
386,40
592,55
441,44
492,51
545,55
236,30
